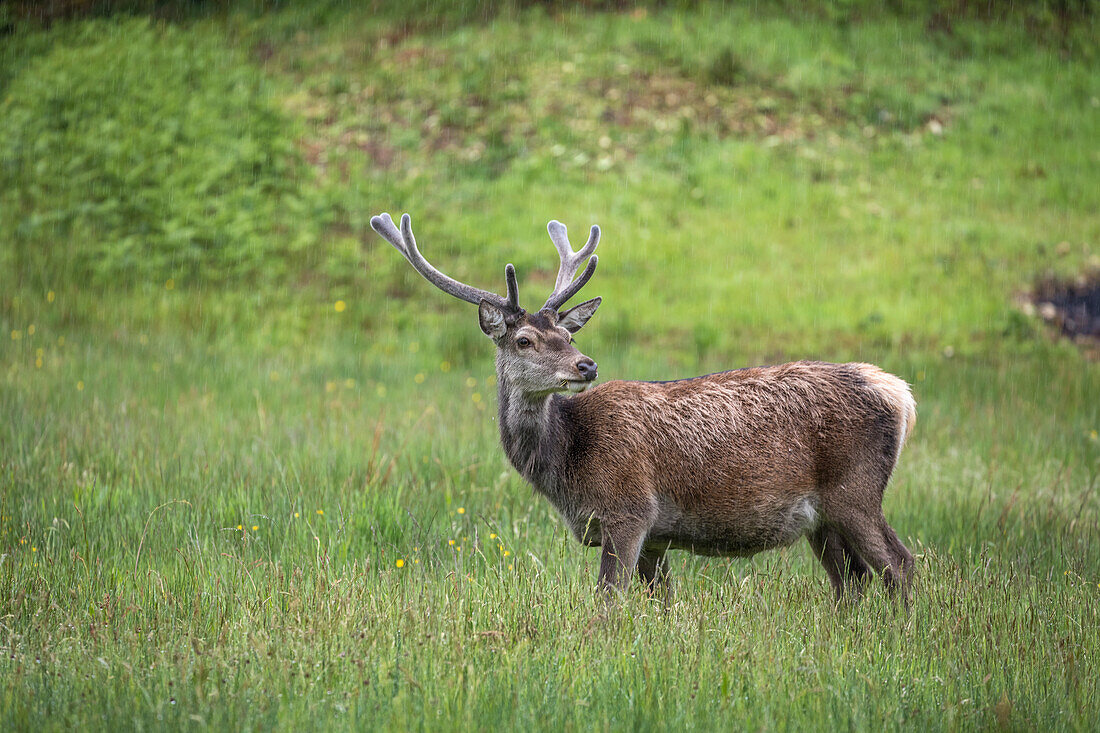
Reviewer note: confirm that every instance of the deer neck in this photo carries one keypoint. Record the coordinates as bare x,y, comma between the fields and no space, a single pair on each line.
532,432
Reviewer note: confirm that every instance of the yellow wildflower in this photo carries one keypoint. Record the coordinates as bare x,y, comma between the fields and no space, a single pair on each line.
340,306
400,563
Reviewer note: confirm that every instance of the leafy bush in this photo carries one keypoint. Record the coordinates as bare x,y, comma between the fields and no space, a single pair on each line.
137,151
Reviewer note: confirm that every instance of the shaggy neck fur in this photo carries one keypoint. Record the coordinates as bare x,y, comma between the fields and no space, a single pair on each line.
531,432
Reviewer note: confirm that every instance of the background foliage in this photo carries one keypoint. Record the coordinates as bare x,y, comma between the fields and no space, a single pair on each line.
131,151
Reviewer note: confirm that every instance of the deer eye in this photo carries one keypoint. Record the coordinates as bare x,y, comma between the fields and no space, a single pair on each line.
523,342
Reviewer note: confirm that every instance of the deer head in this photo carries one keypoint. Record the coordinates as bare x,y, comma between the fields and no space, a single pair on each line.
535,351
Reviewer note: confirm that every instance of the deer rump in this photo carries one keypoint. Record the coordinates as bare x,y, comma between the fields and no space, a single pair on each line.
731,463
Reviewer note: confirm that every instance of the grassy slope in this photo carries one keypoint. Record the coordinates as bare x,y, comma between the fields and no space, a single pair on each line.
816,216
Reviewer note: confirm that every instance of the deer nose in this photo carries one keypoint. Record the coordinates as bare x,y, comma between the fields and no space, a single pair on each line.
587,368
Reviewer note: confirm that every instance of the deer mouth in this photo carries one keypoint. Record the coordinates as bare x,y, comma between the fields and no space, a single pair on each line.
575,385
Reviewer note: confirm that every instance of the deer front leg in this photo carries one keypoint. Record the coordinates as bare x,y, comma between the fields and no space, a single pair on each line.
622,544
653,571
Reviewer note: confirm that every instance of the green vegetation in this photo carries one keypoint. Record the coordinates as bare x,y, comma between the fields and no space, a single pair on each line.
130,151
249,475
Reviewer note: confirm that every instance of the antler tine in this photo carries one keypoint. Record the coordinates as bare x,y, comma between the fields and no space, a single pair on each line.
564,285
405,243
558,299
513,289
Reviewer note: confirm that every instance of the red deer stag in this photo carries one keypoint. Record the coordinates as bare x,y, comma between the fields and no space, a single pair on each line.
725,464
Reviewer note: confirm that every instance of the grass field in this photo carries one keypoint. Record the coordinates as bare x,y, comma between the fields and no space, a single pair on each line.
249,469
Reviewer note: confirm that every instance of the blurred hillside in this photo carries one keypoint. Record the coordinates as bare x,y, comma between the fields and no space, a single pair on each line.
834,178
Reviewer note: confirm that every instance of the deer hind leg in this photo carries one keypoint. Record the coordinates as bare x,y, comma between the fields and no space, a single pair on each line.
903,559
653,571
847,572
879,546
852,507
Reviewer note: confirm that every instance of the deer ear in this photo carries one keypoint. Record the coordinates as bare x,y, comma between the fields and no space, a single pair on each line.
491,319
578,315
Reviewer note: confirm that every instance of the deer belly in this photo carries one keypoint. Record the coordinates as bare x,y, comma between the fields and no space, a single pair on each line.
735,532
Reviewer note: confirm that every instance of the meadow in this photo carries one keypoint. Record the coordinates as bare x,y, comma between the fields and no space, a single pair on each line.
249,467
